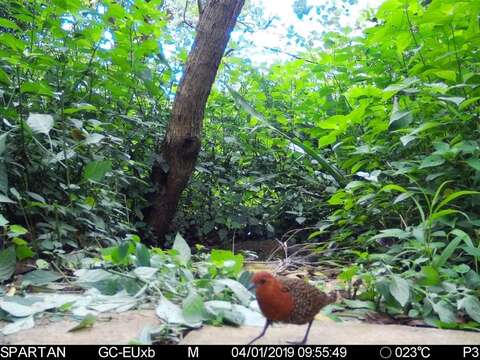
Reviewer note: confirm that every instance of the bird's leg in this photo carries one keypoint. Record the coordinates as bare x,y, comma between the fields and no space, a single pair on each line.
267,324
304,341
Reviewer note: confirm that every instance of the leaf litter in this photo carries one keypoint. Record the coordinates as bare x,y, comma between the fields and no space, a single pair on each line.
186,290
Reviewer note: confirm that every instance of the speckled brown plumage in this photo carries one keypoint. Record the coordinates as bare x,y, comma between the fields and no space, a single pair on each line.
307,300
288,300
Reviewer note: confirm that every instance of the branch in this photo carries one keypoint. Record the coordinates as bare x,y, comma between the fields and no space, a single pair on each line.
184,15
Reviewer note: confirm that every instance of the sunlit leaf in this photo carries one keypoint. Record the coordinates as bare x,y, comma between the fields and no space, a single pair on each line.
87,322
471,304
96,170
400,289
184,252
40,123
7,263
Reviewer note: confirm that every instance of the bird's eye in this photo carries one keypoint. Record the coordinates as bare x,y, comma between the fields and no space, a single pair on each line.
263,281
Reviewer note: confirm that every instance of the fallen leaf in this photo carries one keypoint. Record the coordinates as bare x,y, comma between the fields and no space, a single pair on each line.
87,322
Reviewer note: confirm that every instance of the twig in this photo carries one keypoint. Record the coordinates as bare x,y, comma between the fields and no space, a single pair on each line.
184,15
63,274
290,54
200,7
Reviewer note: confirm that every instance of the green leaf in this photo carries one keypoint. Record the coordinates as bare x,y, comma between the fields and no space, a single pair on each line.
172,313
6,199
42,264
8,261
36,88
3,178
359,304
338,198
399,119
445,311
16,193
222,308
431,161
300,219
439,214
17,309
474,163
402,197
12,42
36,197
473,279
331,169
454,196
23,252
18,241
3,221
405,83
226,260
453,99
92,139
96,170
193,308
40,123
400,289
80,107
465,237
475,252
232,317
446,74
430,276
87,322
468,102
462,268
238,289
143,255
396,233
184,252
119,253
22,323
3,143
447,252
8,24
16,230
471,304
327,139
348,273
40,277
4,78
391,187
145,273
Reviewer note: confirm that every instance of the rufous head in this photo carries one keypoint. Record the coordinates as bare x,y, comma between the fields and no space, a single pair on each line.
262,278
272,296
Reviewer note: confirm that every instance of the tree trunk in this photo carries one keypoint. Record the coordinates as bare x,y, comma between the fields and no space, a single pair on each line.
181,145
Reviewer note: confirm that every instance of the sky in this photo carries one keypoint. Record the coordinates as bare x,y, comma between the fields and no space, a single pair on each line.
276,34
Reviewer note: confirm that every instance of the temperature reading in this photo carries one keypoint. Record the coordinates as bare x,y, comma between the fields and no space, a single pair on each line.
406,352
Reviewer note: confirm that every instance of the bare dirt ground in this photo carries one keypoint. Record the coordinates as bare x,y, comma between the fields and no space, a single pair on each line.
126,327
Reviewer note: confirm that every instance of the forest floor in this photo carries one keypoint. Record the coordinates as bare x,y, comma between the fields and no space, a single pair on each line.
125,328
356,326
328,332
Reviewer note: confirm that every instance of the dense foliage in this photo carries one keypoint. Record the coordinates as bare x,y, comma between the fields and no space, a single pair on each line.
369,142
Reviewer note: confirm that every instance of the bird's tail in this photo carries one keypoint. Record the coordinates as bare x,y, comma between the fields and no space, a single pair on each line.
332,297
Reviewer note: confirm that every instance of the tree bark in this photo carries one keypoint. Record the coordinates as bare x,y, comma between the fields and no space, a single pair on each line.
178,152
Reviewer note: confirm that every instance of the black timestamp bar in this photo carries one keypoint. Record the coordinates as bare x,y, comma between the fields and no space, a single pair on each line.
287,352
471,352
240,352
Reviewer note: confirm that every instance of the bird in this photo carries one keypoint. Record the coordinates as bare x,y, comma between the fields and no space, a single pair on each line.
288,300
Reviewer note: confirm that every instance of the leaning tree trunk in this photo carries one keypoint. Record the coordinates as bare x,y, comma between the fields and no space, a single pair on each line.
181,145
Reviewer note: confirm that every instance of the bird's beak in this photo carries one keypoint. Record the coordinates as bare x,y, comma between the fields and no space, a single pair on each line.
251,286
